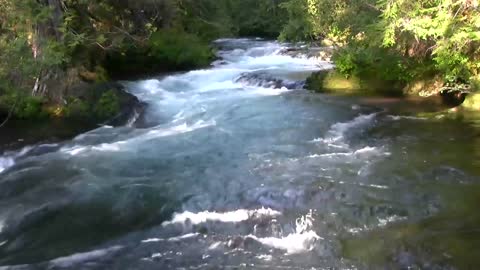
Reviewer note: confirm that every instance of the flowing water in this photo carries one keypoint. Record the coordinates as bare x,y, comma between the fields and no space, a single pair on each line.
235,167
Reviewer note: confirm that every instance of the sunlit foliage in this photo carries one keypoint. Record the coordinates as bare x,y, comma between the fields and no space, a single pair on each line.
420,38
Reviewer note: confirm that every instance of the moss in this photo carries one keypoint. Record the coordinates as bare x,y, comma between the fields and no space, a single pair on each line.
101,109
472,102
107,106
76,109
24,106
331,81
424,87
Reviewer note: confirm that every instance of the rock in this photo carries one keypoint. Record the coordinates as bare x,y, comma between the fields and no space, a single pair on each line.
321,54
88,107
331,81
263,79
103,103
453,98
424,87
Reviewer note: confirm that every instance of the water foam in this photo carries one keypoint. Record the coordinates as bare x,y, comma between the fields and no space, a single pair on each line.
79,258
404,117
292,243
171,239
124,144
6,162
302,240
269,91
336,133
8,159
180,129
226,217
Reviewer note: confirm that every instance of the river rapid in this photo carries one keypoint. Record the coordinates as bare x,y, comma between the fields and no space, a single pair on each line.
237,167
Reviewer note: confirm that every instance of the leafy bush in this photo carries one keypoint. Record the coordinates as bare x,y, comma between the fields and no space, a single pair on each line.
24,107
107,106
76,109
394,40
166,50
371,62
179,49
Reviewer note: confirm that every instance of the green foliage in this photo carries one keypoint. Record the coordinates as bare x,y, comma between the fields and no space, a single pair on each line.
23,106
166,50
76,109
259,18
207,19
450,31
371,62
107,106
179,49
101,74
104,108
319,19
299,26
393,39
346,63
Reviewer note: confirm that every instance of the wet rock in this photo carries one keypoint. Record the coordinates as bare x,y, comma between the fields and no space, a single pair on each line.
252,244
236,242
453,98
203,230
321,54
89,107
263,79
331,81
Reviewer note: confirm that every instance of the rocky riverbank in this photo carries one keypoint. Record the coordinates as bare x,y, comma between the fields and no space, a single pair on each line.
95,105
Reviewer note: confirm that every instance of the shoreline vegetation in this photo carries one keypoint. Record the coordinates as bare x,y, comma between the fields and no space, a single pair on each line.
59,57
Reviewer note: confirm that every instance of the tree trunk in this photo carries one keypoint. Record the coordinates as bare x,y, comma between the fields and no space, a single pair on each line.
44,31
57,14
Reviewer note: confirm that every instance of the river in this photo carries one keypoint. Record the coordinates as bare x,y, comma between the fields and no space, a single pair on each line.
235,167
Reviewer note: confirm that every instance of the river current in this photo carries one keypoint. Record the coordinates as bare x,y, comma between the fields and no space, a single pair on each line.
237,167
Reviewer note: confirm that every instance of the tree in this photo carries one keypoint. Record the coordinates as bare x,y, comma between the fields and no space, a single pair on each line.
419,38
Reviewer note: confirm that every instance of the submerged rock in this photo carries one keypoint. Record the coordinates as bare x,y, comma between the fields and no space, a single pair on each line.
320,54
264,79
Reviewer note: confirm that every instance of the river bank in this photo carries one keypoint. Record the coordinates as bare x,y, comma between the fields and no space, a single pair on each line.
105,104
18,133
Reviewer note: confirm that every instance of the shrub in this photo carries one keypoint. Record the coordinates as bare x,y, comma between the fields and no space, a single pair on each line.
77,109
24,106
166,50
371,62
107,106
179,49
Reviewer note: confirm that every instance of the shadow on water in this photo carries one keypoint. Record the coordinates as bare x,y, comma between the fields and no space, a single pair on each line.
60,228
450,238
447,236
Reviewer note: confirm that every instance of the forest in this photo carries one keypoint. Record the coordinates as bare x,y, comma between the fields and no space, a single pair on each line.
53,51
